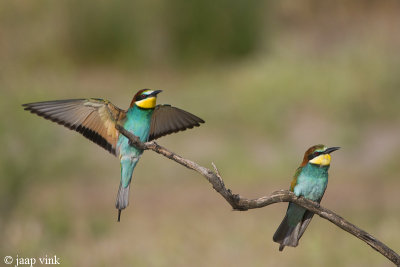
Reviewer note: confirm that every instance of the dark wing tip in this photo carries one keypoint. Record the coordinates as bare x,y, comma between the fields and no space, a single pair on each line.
200,120
27,106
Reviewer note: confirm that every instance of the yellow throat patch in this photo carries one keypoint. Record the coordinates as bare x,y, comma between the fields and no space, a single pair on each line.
147,103
323,160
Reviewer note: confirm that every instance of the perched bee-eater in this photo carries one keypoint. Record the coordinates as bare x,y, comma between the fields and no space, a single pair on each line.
96,119
310,181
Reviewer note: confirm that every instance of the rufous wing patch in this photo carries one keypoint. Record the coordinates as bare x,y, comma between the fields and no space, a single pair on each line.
294,181
93,118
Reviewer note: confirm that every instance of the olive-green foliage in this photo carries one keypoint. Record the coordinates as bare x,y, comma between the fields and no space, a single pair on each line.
217,30
209,30
103,31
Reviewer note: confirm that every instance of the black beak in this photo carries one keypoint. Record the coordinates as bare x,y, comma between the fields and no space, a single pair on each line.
156,92
331,149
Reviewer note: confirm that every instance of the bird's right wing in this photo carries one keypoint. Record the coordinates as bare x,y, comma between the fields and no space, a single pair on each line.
94,118
167,119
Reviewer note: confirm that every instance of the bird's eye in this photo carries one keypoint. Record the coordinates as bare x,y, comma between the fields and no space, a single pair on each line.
313,155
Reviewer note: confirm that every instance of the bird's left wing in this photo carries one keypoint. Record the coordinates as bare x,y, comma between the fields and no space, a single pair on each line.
167,119
94,118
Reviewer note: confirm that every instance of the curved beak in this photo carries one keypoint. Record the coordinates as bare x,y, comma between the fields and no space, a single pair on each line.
156,92
331,149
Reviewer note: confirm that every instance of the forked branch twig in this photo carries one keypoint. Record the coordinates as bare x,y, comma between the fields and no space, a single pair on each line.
240,203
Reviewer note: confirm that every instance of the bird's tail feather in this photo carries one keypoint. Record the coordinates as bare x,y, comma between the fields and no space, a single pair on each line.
122,199
287,235
308,215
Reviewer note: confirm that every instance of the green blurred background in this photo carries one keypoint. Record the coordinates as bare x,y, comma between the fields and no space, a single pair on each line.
271,78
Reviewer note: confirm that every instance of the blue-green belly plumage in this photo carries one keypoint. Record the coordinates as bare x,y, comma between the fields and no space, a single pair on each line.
312,182
138,122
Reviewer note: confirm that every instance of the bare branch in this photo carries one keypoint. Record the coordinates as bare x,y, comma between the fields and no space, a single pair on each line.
240,203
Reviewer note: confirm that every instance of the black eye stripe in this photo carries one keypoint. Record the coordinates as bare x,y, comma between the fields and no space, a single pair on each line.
313,155
141,97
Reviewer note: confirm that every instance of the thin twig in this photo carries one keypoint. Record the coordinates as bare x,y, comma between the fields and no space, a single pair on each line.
240,203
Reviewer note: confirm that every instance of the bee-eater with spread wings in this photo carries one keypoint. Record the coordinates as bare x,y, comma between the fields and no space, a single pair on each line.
96,118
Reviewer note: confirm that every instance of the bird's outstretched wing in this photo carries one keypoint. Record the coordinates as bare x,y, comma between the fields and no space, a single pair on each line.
93,118
167,119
